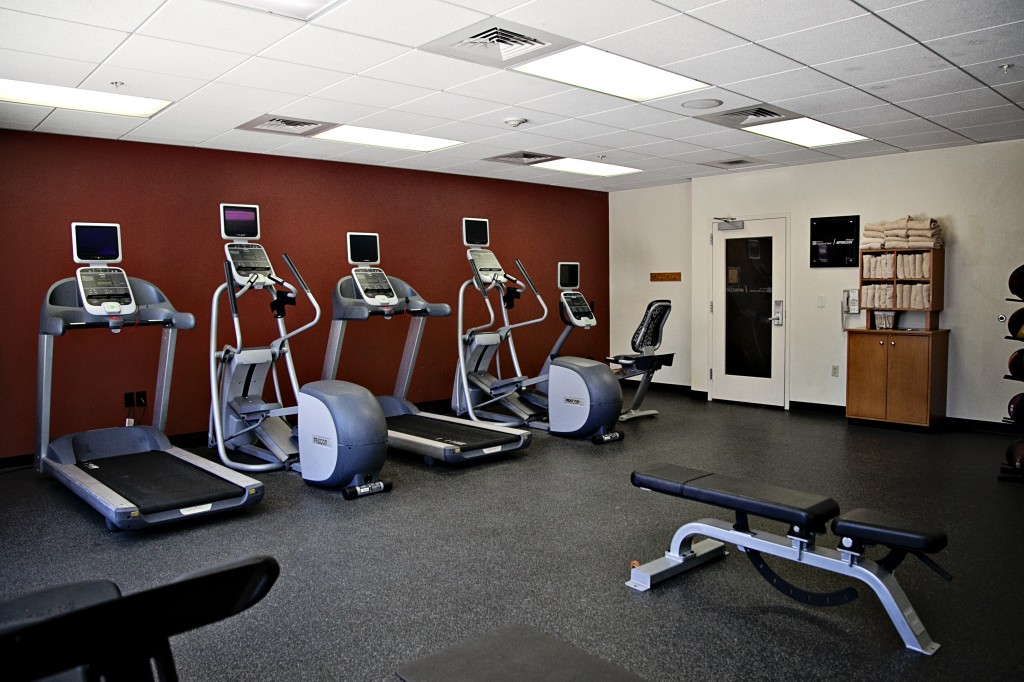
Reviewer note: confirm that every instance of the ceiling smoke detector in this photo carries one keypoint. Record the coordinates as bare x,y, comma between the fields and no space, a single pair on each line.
515,122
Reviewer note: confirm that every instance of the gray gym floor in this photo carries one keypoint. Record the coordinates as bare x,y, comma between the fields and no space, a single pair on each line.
544,538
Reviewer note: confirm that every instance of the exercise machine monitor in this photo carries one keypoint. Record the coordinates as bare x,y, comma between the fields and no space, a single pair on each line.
568,275
104,290
475,232
249,262
573,302
372,283
239,221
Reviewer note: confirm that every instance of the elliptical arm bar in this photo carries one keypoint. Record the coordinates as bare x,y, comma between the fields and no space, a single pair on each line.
526,276
536,294
279,343
233,301
295,271
463,370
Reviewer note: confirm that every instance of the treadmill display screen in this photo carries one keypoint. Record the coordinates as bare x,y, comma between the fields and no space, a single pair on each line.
96,243
363,248
239,221
105,284
475,232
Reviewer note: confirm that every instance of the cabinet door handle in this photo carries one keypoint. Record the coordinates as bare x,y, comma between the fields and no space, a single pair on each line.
881,343
892,343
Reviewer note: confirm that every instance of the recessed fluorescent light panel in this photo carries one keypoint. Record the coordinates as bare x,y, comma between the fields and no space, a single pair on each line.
594,69
21,92
582,167
805,132
386,138
297,9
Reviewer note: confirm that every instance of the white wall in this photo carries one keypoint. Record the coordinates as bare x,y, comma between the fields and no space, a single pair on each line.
650,232
977,194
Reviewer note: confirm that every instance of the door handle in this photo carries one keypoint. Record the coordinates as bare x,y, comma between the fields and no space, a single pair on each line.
776,319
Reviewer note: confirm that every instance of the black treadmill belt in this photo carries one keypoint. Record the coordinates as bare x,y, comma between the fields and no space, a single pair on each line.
463,436
157,481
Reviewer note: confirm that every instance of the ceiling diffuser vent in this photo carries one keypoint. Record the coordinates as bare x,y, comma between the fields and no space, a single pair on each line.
523,158
748,116
739,162
500,45
286,126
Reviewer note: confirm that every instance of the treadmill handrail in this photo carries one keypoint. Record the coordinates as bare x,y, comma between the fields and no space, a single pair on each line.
62,309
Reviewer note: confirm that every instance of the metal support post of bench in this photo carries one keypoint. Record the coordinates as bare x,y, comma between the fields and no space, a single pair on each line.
684,554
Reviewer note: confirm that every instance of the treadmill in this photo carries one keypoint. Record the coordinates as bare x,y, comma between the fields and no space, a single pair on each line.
370,292
132,475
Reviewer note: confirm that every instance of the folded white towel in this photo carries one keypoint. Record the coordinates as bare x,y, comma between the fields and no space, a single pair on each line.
924,233
926,265
901,265
889,297
867,294
926,295
917,298
865,265
918,265
922,224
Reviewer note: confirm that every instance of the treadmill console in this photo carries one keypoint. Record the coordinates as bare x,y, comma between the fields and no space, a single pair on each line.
486,266
105,291
248,259
374,286
578,310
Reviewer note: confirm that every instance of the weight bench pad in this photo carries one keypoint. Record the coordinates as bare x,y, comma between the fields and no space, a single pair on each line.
752,497
873,527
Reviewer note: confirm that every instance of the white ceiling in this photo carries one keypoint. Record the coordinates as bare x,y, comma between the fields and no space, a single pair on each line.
909,75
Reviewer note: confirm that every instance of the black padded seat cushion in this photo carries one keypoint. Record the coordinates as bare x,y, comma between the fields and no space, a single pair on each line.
874,527
752,497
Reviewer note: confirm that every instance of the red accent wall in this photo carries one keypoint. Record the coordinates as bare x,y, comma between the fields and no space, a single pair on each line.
166,199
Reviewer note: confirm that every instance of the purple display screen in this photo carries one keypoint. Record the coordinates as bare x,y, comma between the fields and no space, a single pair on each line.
240,222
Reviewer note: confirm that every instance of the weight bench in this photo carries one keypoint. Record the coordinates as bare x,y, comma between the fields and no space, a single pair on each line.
807,515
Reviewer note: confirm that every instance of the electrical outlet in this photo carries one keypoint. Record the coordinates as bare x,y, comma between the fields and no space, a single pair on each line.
140,399
835,370
129,399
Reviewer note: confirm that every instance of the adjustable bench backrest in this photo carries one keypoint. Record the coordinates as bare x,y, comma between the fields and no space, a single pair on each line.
648,334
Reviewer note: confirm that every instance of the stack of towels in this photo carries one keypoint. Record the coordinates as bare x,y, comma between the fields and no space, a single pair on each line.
902,233
897,296
898,265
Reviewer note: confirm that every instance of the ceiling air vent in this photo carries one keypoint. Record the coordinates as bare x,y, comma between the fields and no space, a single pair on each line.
739,162
523,158
497,44
748,116
286,126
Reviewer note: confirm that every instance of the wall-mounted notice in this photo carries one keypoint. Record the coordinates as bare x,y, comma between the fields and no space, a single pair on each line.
835,241
666,277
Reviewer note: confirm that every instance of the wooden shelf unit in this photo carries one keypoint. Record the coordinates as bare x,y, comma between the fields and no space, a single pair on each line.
935,280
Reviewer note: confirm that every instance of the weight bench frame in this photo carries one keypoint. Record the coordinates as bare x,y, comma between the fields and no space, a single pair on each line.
798,546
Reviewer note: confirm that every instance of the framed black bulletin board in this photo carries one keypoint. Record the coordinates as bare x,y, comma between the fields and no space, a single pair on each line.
835,241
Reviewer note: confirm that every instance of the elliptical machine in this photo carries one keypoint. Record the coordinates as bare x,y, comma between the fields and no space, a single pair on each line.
341,440
581,399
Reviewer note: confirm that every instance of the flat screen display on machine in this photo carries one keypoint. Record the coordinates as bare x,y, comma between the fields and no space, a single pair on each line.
363,248
568,275
96,242
475,232
239,221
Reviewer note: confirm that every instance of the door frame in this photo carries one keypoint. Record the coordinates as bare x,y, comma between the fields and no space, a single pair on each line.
788,275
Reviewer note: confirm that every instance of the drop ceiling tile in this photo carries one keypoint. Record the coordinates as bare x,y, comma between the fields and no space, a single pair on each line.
214,24
329,110
847,38
757,148
622,139
421,162
574,149
885,113
42,35
240,97
981,46
574,129
705,156
796,157
669,41
576,102
684,127
757,20
121,15
601,17
399,121
733,64
619,157
307,148
522,140
509,87
197,118
1010,130
489,6
428,70
979,98
730,100
921,139
329,49
653,163
41,68
726,138
89,124
830,102
534,118
787,85
271,74
447,105
668,148
979,117
460,130
909,60
993,73
1013,91
373,92
399,21
961,143
941,18
373,155
473,151
176,59
853,149
22,116
142,83
161,133
633,116
876,5
882,131
246,141
925,85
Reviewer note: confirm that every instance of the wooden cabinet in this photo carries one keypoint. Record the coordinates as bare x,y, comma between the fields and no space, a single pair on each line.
897,376
897,277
